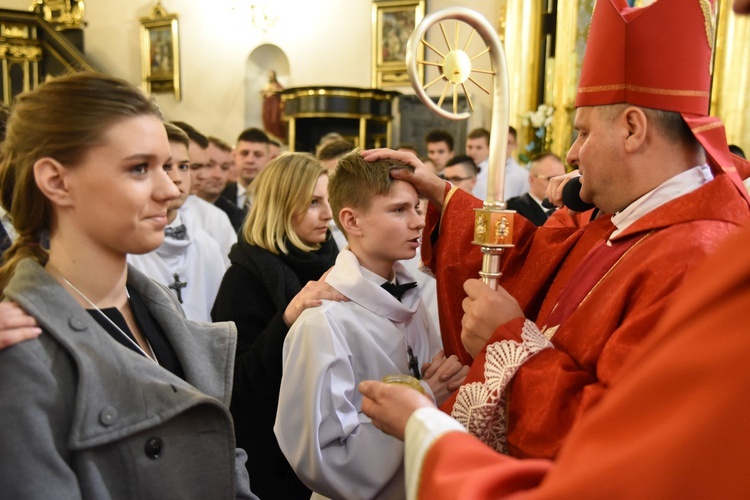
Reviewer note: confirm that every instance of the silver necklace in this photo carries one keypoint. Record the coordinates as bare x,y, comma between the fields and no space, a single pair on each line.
91,303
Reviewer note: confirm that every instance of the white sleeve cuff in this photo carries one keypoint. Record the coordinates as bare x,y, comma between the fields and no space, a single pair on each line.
424,427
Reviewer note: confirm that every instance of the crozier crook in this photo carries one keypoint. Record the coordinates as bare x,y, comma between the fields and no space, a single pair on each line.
493,224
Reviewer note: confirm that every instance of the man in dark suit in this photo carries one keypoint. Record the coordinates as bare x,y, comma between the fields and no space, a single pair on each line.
544,166
251,155
219,162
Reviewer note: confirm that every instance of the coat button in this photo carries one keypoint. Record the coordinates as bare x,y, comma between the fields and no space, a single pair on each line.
107,416
77,324
154,447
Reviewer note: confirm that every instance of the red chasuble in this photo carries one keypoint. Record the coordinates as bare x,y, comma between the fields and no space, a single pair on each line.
672,425
522,395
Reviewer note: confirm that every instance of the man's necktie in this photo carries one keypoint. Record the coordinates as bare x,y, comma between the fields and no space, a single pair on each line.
177,232
398,290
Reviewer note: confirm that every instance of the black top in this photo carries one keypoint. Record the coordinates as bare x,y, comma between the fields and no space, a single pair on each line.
254,293
230,194
5,242
530,209
236,215
149,328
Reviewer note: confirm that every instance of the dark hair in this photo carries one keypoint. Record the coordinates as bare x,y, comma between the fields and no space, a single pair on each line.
253,135
334,149
439,136
176,134
512,131
60,119
735,149
220,144
479,133
670,124
195,136
463,160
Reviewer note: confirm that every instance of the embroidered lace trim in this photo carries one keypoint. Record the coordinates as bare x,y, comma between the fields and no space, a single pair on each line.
480,406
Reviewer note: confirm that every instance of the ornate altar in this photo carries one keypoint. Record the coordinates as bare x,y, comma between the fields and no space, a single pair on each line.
32,50
362,116
62,14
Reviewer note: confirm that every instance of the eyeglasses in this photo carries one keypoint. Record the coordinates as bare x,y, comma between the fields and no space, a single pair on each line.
545,177
456,179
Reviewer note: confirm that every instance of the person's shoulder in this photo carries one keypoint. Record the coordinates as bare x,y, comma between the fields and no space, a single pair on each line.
517,201
41,351
330,313
206,244
238,277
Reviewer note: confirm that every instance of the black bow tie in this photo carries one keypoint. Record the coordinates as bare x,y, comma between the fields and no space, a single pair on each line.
398,290
177,232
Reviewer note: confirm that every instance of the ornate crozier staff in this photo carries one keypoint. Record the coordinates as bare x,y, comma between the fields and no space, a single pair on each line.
493,224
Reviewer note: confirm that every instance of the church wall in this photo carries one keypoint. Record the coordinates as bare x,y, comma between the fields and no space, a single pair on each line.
327,42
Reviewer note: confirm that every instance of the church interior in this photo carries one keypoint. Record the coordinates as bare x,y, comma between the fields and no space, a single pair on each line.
333,51
175,290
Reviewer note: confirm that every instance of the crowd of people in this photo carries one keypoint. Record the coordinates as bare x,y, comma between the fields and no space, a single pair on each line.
185,318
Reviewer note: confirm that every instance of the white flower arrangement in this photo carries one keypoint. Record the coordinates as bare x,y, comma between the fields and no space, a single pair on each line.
541,121
542,117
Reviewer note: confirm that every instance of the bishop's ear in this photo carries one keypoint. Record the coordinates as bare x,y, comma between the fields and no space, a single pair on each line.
637,126
350,221
51,179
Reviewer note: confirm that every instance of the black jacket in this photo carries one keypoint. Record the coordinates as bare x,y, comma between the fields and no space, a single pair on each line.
236,215
230,193
254,293
530,209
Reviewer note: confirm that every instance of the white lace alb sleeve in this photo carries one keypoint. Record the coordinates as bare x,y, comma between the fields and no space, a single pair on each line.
480,406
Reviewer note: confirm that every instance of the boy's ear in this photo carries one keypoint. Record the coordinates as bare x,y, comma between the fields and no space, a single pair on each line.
52,180
350,221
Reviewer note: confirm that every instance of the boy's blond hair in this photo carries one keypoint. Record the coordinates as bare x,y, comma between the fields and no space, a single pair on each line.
356,181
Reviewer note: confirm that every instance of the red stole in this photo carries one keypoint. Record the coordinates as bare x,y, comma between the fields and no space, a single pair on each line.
591,270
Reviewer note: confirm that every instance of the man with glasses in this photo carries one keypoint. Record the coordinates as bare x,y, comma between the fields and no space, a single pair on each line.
544,166
461,171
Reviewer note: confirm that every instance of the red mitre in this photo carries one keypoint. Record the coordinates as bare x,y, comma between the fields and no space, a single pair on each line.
656,57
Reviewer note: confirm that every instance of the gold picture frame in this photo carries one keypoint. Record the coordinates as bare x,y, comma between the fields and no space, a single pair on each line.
160,52
393,22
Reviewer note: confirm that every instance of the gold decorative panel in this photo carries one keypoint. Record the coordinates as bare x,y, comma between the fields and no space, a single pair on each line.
730,92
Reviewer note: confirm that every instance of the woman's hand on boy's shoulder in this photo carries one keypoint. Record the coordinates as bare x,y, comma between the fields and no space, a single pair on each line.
16,325
312,295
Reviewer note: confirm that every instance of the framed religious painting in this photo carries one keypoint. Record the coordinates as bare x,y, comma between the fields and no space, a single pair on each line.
393,22
160,52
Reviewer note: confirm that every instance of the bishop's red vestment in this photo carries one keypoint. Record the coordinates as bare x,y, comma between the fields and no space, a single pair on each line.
673,424
525,390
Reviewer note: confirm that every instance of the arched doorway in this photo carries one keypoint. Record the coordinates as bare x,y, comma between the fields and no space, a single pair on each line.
261,60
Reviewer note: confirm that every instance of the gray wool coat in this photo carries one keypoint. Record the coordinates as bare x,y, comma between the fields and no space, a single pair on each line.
83,417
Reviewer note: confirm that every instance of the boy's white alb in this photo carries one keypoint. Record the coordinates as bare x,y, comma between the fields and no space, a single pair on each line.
196,260
332,446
